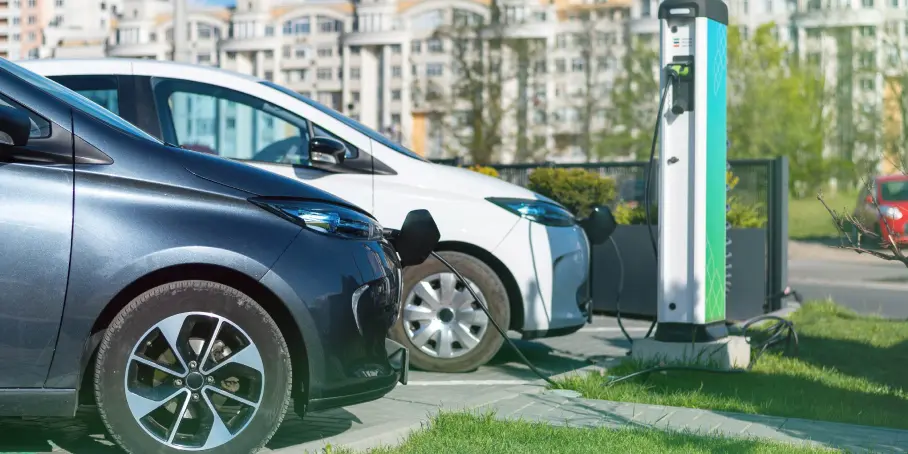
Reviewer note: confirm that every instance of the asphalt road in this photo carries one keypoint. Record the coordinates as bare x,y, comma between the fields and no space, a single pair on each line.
867,286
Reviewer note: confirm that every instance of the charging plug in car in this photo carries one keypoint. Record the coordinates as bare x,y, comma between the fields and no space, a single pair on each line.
681,73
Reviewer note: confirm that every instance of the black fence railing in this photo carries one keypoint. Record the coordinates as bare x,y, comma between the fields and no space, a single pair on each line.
761,182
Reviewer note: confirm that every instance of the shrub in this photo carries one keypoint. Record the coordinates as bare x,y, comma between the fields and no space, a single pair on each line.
740,214
485,170
577,189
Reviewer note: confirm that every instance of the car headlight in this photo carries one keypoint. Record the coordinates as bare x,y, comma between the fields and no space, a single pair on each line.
891,212
325,218
539,211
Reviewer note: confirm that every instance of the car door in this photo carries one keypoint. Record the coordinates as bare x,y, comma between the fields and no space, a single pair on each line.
36,221
213,119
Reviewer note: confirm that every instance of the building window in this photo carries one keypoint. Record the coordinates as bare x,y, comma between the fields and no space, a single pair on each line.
323,74
768,6
269,30
58,3
329,25
396,72
354,96
32,20
32,3
868,84
395,95
416,47
325,51
301,52
269,75
435,46
204,58
895,3
868,59
269,53
647,9
434,69
298,26
561,41
745,5
577,65
395,48
560,65
867,3
32,36
354,74
867,31
354,50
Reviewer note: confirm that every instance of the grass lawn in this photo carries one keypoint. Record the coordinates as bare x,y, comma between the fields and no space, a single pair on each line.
464,433
850,368
809,220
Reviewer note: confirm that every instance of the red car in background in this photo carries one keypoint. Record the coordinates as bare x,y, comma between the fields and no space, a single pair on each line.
885,204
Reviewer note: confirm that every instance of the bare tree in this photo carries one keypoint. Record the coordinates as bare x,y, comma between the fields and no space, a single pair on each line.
474,107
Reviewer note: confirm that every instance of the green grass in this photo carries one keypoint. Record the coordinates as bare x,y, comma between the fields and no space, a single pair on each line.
850,368
464,433
809,220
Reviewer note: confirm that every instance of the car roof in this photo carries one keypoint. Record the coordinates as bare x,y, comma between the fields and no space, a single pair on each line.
127,66
894,177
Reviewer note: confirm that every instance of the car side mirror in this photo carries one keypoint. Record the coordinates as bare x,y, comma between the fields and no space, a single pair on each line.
15,127
416,239
599,225
324,150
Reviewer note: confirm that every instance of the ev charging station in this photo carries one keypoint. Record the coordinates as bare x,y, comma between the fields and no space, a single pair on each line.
692,188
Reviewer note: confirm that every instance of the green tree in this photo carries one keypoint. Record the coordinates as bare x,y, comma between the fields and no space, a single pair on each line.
634,103
777,106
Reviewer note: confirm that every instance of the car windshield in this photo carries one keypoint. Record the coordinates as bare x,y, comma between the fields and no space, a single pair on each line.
894,191
74,99
369,132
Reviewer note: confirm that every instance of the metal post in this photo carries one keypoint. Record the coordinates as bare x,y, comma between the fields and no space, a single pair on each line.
777,230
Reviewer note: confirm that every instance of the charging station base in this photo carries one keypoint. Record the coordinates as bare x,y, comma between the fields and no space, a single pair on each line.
731,352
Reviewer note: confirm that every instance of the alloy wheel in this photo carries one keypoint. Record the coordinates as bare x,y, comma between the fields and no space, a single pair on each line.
194,381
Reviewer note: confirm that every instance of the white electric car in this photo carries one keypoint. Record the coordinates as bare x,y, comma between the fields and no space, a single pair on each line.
525,254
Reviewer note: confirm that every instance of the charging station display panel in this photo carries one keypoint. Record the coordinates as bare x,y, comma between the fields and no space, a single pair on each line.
716,165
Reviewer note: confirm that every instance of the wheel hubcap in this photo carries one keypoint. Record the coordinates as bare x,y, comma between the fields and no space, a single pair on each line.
194,381
442,318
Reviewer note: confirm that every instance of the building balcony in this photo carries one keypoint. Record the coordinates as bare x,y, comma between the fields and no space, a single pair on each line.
250,44
139,50
839,17
377,38
534,30
643,26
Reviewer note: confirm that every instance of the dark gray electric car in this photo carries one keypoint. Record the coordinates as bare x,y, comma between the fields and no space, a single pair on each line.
192,298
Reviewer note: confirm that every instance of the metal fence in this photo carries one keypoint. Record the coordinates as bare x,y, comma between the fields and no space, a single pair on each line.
762,182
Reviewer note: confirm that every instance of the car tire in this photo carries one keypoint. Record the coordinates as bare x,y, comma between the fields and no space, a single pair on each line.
462,320
247,358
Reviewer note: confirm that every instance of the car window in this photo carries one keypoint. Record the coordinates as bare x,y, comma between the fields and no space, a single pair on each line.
357,126
233,129
74,99
894,191
40,126
216,120
103,90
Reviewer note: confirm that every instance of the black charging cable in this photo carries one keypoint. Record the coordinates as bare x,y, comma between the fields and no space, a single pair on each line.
504,335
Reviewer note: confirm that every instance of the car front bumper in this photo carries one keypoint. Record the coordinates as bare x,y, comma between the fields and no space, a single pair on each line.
551,266
344,297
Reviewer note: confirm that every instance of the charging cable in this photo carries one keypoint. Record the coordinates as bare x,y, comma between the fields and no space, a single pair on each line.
504,335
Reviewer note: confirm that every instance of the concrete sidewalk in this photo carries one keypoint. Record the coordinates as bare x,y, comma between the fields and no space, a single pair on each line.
402,414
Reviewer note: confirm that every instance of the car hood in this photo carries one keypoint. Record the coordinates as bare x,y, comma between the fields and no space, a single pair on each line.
457,179
252,180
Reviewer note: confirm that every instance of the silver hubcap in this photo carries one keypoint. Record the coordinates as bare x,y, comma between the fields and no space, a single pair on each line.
194,381
442,318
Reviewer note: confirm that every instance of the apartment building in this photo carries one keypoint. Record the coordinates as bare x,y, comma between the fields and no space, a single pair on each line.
394,64
385,63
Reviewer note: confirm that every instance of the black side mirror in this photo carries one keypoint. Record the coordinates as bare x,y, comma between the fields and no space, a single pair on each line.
324,150
15,127
416,239
599,225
